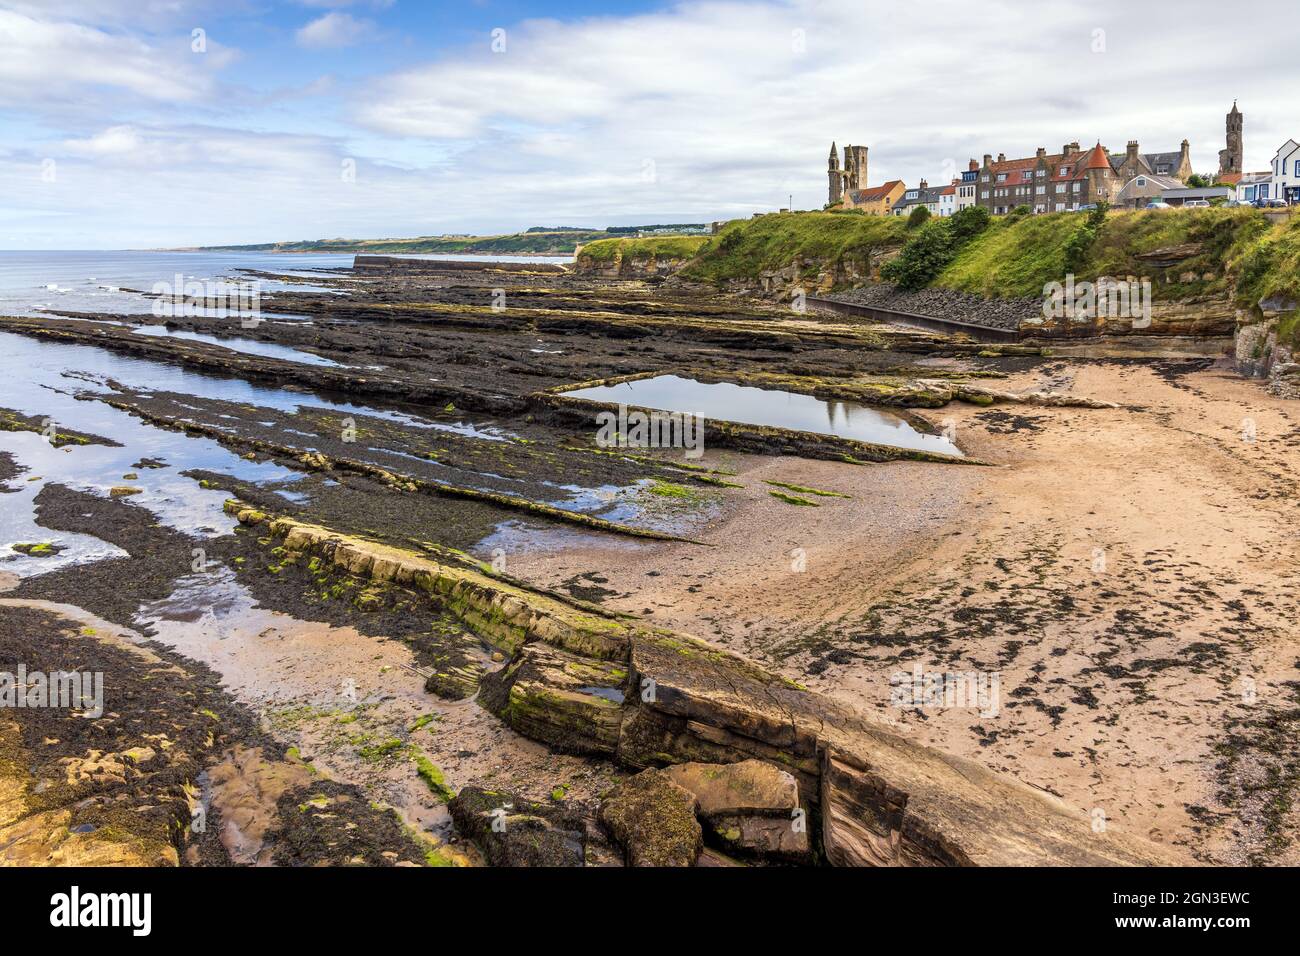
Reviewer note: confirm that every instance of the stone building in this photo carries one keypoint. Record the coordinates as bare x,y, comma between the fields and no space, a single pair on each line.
1055,182
1141,190
875,200
852,176
1230,158
1171,165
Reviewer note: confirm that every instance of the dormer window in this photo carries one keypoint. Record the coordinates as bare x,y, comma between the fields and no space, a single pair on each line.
1065,171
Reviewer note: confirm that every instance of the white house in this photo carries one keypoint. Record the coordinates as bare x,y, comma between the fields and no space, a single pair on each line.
1286,173
1280,182
948,199
1254,186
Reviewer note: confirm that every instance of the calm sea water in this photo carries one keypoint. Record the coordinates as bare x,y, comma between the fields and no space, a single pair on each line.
90,281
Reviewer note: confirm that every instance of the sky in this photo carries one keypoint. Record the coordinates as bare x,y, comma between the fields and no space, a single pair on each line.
166,123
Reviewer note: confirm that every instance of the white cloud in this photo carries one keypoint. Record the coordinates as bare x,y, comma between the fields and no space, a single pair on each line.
50,61
334,30
709,108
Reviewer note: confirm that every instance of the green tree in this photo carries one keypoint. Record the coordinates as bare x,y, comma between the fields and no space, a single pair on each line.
918,217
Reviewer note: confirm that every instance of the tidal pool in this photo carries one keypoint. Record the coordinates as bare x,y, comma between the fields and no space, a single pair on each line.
725,401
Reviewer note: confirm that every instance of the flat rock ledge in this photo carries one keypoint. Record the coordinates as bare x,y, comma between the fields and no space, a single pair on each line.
607,685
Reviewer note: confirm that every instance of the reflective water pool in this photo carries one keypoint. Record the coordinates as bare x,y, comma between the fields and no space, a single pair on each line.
725,401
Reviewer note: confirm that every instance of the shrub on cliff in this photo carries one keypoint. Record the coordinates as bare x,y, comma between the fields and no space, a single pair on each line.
918,217
933,247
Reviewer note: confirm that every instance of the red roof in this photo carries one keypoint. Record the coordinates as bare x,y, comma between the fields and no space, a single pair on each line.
872,193
1096,159
1022,171
1230,179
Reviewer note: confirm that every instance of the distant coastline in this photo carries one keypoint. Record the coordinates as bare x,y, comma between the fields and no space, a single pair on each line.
537,241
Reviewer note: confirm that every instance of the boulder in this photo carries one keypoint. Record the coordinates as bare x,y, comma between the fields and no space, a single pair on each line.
573,703
510,831
653,819
767,838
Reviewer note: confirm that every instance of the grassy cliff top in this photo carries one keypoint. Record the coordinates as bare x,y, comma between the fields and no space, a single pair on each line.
661,247
746,247
1222,250
1017,257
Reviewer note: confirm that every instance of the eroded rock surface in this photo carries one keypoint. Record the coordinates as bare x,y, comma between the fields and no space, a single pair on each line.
873,797
653,819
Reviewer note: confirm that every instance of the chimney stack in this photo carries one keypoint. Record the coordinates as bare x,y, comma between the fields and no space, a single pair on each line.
988,159
974,165
1002,157
923,184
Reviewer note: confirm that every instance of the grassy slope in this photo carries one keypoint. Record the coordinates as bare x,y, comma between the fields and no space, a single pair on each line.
1018,258
747,247
670,247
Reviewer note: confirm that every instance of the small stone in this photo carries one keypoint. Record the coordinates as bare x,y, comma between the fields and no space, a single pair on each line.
130,476
123,491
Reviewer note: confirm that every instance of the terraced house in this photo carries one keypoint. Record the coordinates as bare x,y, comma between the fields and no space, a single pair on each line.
1045,182
940,200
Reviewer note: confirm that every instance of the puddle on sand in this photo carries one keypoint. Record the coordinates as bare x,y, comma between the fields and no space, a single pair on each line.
341,697
725,401
352,685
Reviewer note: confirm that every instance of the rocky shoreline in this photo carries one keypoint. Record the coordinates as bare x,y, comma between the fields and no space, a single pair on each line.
387,496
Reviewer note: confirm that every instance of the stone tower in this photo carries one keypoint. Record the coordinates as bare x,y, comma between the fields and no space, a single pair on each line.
1230,158
855,167
836,177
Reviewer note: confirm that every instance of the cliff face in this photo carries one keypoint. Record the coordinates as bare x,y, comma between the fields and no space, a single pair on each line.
628,267
1267,346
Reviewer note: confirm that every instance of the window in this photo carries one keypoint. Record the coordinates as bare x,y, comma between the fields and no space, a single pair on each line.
1040,190
1141,181
1040,173
1002,177
1060,187
1297,167
1065,170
